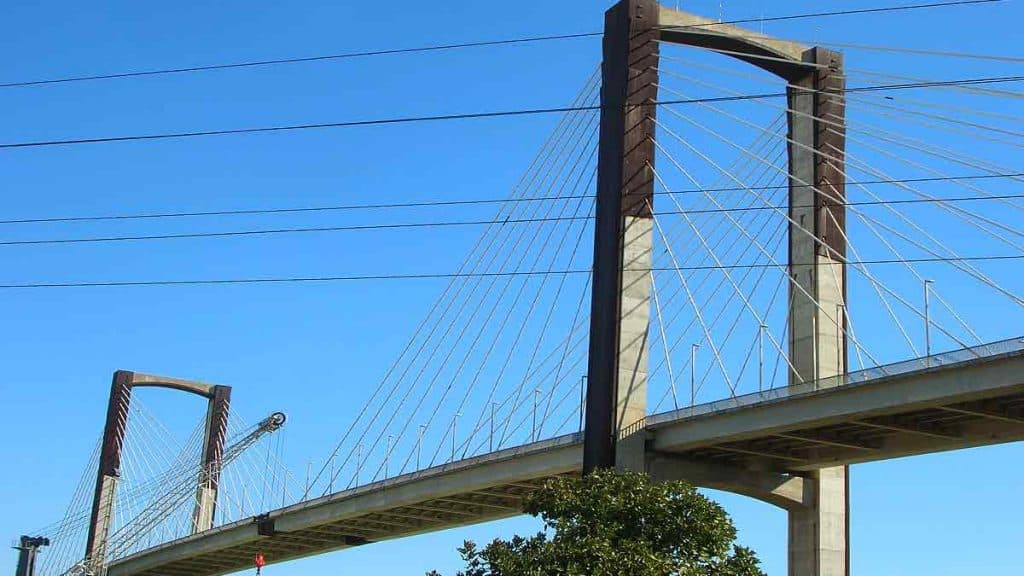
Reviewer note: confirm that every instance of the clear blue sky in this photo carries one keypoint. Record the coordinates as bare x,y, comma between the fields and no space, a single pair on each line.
313,350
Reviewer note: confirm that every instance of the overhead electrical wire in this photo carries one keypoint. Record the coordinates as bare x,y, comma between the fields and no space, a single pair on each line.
479,201
480,115
458,46
454,223
445,275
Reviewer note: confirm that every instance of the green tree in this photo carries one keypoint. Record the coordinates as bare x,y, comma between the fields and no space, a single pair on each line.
608,524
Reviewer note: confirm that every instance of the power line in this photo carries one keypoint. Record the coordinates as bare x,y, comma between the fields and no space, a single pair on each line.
480,115
453,46
443,275
457,223
481,201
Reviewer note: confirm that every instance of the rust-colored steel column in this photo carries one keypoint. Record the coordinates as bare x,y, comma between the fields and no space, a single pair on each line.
109,472
212,460
620,302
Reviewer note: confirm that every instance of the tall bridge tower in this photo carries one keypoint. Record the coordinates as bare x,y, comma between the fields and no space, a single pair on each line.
108,475
621,295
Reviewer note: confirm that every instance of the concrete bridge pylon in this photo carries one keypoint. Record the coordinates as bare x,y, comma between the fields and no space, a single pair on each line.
616,393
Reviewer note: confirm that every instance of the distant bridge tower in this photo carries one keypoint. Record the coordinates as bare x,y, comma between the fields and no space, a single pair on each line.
109,473
621,297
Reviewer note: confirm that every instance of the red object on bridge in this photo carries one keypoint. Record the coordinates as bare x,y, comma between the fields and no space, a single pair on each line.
260,562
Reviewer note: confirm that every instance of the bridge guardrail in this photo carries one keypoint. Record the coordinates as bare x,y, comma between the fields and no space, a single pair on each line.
943,359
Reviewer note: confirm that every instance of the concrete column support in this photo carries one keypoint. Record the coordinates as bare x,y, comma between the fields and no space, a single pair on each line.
819,532
109,472
212,459
620,304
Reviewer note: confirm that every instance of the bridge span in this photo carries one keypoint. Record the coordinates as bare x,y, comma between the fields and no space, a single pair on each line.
762,445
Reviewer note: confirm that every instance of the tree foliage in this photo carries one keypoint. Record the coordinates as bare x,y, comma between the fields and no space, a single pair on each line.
608,524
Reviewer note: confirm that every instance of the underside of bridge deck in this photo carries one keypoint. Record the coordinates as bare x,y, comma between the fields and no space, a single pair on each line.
963,405
948,427
477,490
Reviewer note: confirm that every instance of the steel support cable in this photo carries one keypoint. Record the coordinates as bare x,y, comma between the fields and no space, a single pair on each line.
552,372
875,132
867,273
744,165
920,278
931,152
393,121
586,151
548,173
835,122
821,154
915,103
938,84
867,102
714,256
664,341
552,175
578,343
183,482
908,118
547,317
976,220
522,421
942,118
930,237
562,357
544,329
696,309
959,262
861,263
554,302
775,240
70,532
934,151
728,277
710,298
757,336
802,229
541,157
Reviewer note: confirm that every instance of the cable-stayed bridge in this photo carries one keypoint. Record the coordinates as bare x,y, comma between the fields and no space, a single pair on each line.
766,287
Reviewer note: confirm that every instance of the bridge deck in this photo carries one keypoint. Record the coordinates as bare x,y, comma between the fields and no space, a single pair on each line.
929,406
